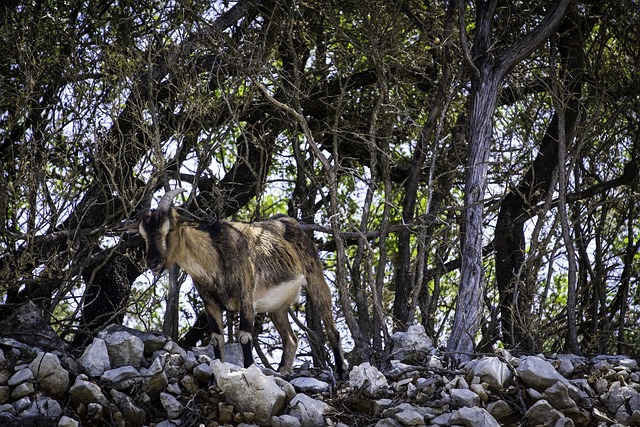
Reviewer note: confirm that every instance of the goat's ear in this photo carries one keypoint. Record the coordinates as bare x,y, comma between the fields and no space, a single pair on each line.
133,227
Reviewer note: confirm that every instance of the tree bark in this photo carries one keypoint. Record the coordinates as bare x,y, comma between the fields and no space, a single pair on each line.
488,71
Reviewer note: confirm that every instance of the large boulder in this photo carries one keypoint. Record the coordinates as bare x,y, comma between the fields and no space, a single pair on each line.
249,390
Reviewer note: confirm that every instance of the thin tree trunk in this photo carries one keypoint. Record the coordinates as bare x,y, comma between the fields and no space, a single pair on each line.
488,71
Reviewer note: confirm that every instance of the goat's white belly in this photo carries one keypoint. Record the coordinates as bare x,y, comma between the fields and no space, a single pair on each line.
274,298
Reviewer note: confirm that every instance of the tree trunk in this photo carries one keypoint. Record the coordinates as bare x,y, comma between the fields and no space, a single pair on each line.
488,71
518,204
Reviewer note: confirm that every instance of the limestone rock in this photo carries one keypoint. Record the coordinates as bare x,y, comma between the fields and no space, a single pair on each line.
266,397
309,385
95,359
124,349
414,344
538,373
473,417
52,378
492,371
369,380
308,410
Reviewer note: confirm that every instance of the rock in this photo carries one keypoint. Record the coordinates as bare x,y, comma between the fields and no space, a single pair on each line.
285,421
202,372
463,397
156,379
412,345
499,409
22,390
132,414
67,422
308,410
95,359
309,385
84,392
369,380
52,378
266,397
388,422
492,371
24,321
473,417
124,349
122,377
22,376
409,417
5,394
170,404
558,396
538,373
43,406
153,340
542,414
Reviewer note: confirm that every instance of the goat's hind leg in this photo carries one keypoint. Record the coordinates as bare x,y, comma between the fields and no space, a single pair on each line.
280,319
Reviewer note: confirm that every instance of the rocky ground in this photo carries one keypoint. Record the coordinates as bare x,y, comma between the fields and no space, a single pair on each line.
130,378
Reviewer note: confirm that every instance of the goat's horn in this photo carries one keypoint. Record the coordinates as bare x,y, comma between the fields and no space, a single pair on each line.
165,202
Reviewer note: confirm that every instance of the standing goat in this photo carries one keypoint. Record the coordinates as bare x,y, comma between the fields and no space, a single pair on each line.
251,268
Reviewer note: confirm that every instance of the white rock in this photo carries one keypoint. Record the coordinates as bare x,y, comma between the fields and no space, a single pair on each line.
308,410
202,372
462,397
492,371
369,380
538,374
118,375
95,359
124,349
67,422
473,417
43,406
22,390
249,390
309,385
285,421
542,414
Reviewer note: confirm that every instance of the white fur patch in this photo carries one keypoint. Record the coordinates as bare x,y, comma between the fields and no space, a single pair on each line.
283,295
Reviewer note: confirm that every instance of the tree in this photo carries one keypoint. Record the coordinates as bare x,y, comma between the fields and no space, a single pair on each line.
418,143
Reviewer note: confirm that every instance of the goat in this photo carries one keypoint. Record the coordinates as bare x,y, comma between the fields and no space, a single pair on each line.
256,267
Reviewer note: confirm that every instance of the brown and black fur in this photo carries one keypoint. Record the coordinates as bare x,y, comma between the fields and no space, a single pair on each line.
250,268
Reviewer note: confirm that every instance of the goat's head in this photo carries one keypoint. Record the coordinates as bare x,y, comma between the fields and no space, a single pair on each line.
155,226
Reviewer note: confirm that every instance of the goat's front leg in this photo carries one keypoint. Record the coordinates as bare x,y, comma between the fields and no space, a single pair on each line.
214,318
245,335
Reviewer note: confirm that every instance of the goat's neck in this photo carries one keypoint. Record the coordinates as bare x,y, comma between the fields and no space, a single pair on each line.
194,253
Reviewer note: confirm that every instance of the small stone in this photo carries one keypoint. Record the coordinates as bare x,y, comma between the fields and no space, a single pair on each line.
464,397
67,422
170,404
22,390
202,372
309,385
20,377
410,418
